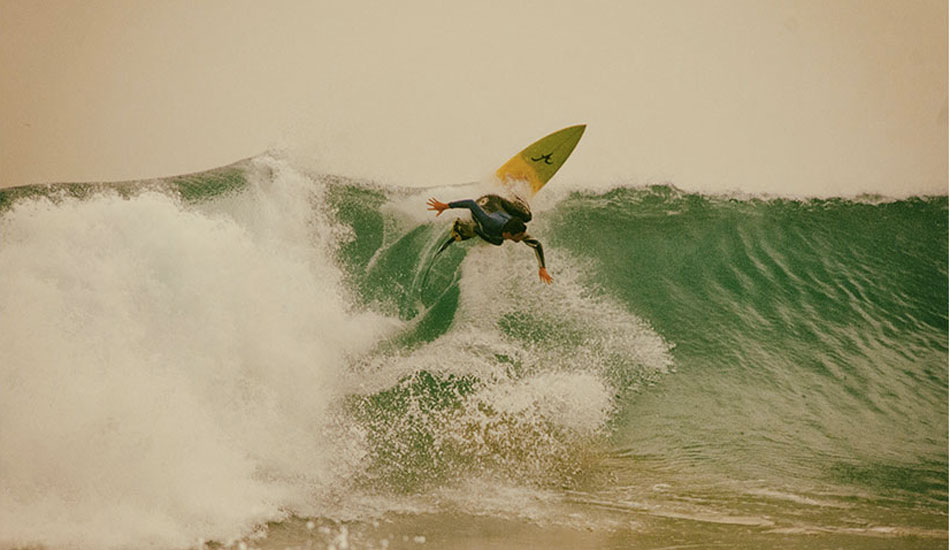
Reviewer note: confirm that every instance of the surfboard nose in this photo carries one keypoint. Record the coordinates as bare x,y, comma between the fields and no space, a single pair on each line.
579,128
538,162
574,132
569,136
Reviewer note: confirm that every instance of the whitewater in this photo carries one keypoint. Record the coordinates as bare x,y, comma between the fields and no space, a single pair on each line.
266,356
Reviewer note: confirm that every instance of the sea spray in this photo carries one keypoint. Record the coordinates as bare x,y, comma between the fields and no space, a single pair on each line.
521,385
168,369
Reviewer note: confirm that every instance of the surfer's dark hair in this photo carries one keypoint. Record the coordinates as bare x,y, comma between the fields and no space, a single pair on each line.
514,226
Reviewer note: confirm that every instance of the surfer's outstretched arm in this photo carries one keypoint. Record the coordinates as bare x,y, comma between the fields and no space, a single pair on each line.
539,252
477,213
437,206
440,207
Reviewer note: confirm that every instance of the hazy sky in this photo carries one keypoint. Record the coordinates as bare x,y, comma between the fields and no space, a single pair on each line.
786,96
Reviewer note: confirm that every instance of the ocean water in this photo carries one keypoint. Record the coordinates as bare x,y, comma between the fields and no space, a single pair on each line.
262,357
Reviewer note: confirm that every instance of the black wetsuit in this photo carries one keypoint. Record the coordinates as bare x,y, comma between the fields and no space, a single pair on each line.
490,213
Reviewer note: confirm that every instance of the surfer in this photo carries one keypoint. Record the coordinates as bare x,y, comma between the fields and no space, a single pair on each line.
494,219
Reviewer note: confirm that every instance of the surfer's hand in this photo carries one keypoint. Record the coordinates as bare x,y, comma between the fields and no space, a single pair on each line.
543,274
437,206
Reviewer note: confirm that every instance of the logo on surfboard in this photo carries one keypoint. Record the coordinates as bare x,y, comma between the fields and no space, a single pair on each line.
546,158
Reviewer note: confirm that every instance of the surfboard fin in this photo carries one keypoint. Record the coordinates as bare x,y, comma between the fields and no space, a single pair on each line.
446,244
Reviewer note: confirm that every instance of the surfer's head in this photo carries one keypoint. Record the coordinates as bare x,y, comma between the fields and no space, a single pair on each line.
514,230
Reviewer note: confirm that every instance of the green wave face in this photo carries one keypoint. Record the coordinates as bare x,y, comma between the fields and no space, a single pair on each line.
808,338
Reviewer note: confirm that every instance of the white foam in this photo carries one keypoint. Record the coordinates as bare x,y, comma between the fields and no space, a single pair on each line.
544,364
168,371
172,373
585,331
580,402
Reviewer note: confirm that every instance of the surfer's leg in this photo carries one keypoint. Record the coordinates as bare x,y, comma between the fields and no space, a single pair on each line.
446,244
462,230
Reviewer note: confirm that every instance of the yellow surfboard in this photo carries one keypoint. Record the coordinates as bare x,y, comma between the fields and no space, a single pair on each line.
538,162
